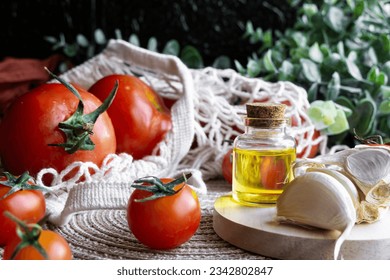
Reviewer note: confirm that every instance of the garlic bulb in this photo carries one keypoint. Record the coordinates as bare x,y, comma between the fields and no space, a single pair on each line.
319,200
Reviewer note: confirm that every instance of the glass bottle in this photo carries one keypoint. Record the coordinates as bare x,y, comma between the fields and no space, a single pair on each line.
263,155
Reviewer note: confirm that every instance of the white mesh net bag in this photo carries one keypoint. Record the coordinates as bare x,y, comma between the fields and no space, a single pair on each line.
203,116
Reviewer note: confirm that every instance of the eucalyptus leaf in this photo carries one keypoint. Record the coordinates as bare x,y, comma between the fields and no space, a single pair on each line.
222,62
253,68
359,8
268,63
191,57
172,47
100,38
70,50
267,38
50,39
363,117
381,79
286,71
312,92
241,69
310,70
384,107
152,44
345,102
353,69
299,39
133,39
310,9
370,58
118,34
82,40
335,19
333,88
341,49
315,53
385,91
372,74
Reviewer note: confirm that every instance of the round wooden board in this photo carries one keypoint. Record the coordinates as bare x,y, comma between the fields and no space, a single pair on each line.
254,229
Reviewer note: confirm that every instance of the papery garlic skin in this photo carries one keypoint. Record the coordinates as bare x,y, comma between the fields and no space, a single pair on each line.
318,200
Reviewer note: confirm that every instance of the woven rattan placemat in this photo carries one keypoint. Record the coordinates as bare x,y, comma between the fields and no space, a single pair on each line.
104,234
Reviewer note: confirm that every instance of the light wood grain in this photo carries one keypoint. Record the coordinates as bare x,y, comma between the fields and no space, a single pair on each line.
255,229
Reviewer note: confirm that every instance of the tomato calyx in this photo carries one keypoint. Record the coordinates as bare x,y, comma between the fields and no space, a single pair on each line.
370,140
20,183
28,234
157,187
79,127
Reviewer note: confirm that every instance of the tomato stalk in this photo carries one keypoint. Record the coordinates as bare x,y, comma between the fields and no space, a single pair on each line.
371,140
28,234
79,127
157,187
20,183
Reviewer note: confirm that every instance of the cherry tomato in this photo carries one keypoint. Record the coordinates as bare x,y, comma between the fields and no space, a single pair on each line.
313,149
55,246
165,222
28,205
140,118
227,166
273,173
30,128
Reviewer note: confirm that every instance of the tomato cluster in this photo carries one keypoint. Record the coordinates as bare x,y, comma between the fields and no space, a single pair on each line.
57,124
22,206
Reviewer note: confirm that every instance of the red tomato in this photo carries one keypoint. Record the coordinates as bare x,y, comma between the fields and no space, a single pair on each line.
165,222
227,166
139,115
27,205
56,247
313,149
31,125
273,173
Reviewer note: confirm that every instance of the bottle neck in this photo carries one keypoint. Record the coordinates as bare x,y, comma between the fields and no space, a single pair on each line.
266,131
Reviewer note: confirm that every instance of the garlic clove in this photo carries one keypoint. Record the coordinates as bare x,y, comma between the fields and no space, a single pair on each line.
368,166
317,199
345,182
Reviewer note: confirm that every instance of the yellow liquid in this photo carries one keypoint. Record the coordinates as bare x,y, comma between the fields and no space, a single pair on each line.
260,176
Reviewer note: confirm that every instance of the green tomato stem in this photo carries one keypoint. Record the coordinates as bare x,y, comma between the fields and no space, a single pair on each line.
79,127
28,234
157,187
20,183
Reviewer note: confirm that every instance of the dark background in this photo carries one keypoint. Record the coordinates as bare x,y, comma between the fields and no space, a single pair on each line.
214,27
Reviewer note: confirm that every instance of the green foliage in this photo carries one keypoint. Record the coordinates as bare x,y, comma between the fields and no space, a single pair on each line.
339,51
81,49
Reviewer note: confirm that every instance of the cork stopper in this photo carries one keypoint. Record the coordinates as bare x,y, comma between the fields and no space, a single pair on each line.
265,114
265,110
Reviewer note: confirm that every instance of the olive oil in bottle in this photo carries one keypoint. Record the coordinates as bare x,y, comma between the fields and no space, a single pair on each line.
263,155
